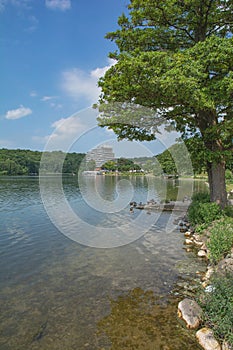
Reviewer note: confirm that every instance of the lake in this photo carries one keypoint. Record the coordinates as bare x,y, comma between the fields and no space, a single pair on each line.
95,275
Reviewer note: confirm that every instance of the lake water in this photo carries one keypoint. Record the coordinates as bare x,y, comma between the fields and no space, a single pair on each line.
92,291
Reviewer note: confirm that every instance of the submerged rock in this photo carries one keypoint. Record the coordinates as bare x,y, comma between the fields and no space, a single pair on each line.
205,337
190,312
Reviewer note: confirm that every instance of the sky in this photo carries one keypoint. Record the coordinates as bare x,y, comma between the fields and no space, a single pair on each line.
52,54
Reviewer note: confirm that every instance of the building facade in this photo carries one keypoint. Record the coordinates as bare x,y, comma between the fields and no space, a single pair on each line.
100,155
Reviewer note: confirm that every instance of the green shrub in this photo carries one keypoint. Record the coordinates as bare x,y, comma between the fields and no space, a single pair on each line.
217,307
228,211
202,197
204,213
228,175
221,239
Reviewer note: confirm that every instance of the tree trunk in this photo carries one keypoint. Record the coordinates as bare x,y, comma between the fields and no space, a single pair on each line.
217,183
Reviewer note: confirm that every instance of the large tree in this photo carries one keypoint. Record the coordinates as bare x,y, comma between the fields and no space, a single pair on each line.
175,57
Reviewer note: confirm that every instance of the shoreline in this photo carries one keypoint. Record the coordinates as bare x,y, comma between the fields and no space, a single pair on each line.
189,309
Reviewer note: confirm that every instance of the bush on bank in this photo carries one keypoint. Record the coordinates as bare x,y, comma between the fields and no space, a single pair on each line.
217,307
217,304
221,240
202,211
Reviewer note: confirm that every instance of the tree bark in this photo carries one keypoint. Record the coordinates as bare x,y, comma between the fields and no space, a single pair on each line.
217,183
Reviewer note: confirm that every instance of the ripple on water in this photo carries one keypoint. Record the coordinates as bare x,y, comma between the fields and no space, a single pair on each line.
56,294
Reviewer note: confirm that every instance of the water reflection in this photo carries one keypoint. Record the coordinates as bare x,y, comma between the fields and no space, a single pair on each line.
54,292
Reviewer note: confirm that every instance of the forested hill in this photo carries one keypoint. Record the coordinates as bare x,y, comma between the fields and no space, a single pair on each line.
27,162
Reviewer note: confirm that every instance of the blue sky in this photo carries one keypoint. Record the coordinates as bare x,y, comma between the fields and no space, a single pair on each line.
52,54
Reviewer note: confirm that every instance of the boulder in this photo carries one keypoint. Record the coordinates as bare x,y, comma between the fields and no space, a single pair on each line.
190,312
205,337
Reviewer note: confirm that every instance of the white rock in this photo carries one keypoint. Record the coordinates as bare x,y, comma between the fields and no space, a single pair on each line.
205,337
198,243
190,312
209,289
188,241
226,346
209,272
188,234
202,254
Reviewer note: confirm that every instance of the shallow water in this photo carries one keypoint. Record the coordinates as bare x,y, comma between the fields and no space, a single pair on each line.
59,294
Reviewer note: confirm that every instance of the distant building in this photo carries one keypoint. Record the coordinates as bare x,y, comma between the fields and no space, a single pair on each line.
100,155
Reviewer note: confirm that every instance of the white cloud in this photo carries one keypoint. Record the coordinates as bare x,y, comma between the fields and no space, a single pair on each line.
2,5
65,130
62,5
18,113
33,93
79,84
33,23
19,3
48,98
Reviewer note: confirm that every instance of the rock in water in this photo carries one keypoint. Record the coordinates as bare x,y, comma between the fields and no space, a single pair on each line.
206,339
190,312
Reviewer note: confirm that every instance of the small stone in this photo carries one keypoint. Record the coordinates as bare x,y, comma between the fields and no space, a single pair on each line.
204,247
201,254
197,237
188,250
226,346
209,289
190,312
204,284
205,337
198,243
188,234
188,241
209,272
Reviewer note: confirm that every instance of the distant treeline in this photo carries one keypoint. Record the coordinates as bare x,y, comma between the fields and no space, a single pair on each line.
177,160
27,162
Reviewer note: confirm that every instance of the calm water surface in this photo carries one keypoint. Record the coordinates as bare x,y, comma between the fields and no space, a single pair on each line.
58,294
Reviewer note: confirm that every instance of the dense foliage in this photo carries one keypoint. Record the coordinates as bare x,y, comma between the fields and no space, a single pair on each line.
202,212
221,239
27,162
218,307
122,165
177,160
175,58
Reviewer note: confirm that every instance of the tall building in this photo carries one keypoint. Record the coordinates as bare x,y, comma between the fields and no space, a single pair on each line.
100,155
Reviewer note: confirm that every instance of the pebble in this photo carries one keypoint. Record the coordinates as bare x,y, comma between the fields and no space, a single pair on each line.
205,337
188,241
202,254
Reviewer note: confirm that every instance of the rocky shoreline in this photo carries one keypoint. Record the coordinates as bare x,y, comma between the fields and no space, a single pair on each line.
188,309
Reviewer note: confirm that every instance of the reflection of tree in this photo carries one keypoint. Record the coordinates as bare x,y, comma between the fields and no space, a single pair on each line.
137,321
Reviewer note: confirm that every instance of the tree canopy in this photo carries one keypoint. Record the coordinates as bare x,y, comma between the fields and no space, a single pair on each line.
175,58
27,162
